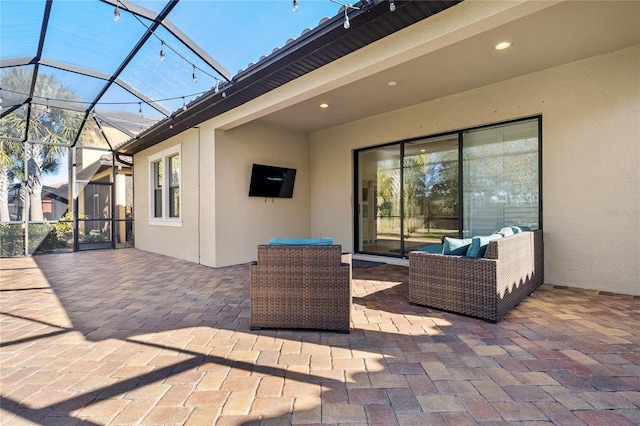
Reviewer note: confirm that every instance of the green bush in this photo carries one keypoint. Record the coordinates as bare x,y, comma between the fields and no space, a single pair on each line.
11,240
94,238
43,238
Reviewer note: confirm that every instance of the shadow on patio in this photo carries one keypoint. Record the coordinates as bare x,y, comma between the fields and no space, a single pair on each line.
130,337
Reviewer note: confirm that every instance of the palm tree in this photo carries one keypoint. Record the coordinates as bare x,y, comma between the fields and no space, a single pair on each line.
53,127
5,164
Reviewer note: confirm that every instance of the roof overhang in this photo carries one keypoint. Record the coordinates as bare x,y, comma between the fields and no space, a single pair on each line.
316,48
449,53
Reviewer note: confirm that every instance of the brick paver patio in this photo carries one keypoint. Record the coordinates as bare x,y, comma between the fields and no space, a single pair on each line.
129,337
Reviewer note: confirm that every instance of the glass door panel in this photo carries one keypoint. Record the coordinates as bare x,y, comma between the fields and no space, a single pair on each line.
379,201
95,216
430,175
501,177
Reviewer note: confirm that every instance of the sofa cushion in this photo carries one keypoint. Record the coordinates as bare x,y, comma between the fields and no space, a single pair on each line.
456,246
506,231
478,245
301,241
516,229
432,248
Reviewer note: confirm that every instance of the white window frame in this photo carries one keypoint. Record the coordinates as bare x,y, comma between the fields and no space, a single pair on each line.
163,157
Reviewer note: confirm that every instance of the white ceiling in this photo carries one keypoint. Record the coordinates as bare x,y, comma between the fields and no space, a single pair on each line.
559,34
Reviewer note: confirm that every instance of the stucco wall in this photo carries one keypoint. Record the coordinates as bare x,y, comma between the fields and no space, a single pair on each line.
221,224
591,162
176,241
243,222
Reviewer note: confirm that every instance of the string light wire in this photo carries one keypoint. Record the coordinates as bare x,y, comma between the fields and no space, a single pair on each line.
216,88
164,43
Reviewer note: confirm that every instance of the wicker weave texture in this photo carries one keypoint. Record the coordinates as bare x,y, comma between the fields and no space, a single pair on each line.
487,288
299,286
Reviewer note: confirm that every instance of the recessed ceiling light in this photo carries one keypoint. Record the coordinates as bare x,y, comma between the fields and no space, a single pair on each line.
392,83
502,45
324,105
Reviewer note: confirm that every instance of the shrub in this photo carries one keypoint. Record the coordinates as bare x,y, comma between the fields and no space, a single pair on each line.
11,240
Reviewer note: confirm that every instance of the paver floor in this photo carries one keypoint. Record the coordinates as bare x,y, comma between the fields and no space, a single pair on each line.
127,337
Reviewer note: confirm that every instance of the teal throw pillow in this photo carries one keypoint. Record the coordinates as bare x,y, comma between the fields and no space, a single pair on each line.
456,246
478,245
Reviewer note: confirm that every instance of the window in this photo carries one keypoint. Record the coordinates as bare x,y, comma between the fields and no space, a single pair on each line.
174,186
164,200
157,189
469,182
500,177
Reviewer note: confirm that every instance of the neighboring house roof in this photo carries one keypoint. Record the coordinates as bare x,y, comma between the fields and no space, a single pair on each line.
312,50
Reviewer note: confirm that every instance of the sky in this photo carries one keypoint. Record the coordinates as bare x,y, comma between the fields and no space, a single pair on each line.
238,32
234,33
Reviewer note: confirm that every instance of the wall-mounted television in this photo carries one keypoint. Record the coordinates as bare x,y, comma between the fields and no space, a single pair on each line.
271,181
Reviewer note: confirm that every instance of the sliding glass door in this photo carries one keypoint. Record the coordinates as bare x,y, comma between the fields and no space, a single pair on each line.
501,177
379,207
408,195
414,193
430,193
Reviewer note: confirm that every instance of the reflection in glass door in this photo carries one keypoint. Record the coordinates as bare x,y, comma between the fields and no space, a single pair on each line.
430,185
413,194
408,196
379,207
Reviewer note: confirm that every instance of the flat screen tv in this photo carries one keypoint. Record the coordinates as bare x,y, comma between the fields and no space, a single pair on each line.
271,181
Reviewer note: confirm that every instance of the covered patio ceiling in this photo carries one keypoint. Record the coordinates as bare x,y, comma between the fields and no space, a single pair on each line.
547,34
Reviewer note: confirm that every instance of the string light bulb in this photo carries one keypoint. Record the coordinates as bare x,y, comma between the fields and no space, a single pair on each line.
392,5
140,109
346,24
295,5
116,14
217,88
184,104
162,51
195,79
48,107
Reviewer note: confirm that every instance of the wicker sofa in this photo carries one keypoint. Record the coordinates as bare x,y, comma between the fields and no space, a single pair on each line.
486,287
301,286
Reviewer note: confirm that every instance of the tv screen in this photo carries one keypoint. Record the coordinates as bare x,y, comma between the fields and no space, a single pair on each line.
271,181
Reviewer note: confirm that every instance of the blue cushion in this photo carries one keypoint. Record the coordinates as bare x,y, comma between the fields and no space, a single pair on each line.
506,231
301,241
432,248
516,229
478,245
456,246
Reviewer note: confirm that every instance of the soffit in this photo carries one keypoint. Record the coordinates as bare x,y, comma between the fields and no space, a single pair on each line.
558,34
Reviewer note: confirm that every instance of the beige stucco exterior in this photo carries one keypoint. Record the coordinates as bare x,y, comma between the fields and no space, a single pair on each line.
591,162
590,112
